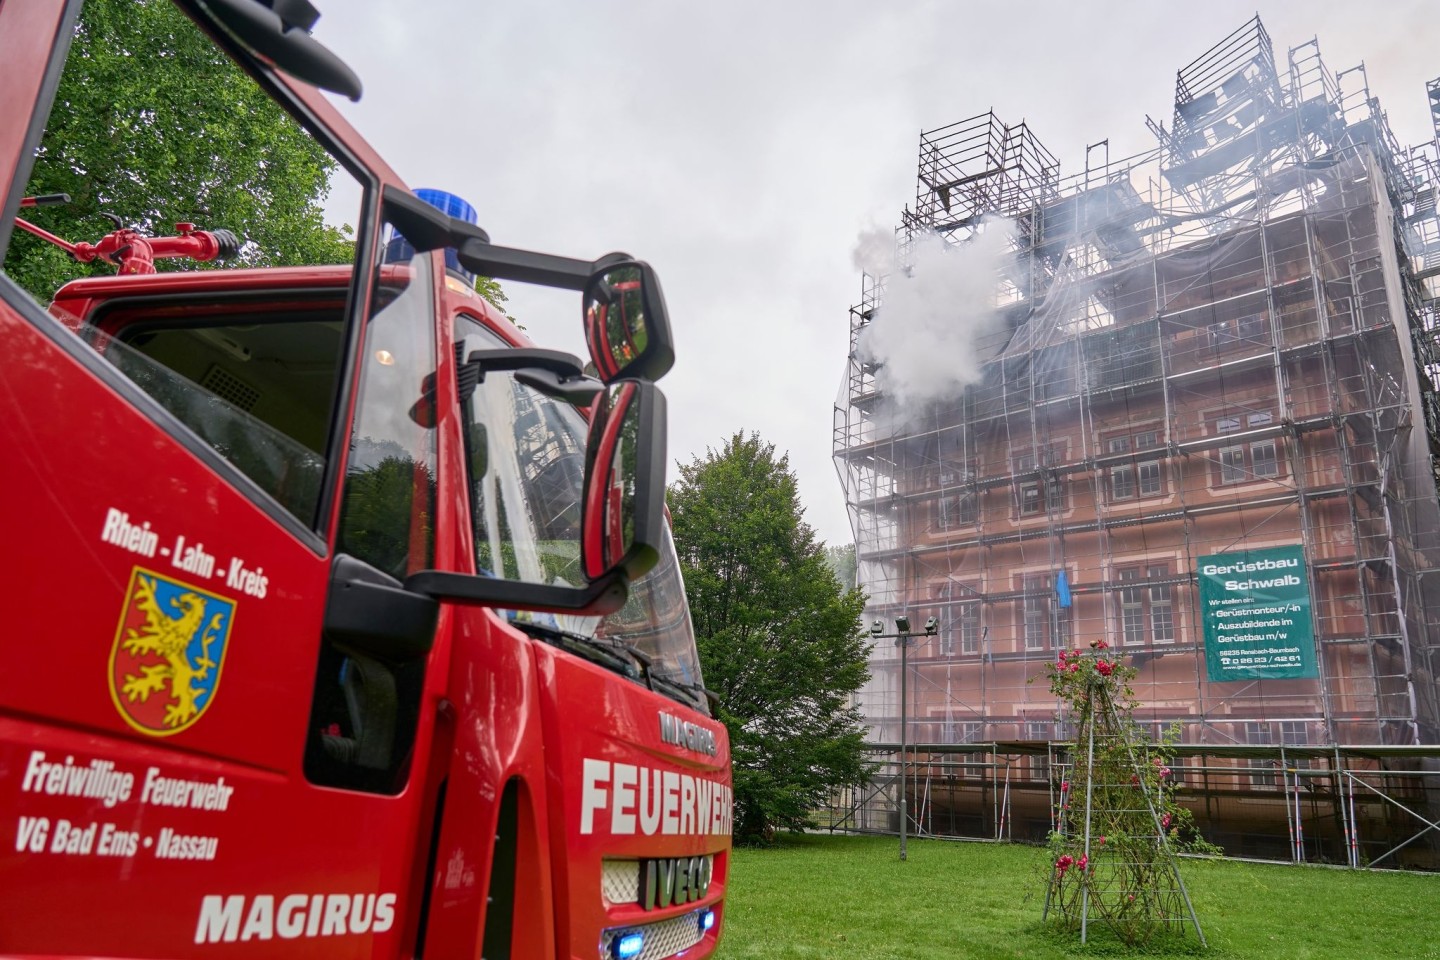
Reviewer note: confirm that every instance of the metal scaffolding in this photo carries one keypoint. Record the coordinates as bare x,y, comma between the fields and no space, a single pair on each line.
1227,343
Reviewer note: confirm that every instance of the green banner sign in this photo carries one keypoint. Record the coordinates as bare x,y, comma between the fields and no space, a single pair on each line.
1255,610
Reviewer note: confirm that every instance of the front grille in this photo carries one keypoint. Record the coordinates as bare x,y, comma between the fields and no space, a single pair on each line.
620,881
663,939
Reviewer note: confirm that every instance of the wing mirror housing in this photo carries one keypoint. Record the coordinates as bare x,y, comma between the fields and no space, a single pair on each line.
624,513
627,328
626,325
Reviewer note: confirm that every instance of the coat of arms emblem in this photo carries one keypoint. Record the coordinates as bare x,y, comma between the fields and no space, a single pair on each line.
169,648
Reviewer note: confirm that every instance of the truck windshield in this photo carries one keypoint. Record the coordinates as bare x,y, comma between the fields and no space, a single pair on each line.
526,457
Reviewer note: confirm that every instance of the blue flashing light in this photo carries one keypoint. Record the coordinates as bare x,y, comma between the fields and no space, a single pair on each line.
449,204
399,250
707,920
629,945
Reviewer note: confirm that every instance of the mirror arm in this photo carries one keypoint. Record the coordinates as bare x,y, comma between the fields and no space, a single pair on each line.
558,362
602,596
289,47
576,391
523,266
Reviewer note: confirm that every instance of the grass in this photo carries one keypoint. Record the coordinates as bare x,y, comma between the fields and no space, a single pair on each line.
817,896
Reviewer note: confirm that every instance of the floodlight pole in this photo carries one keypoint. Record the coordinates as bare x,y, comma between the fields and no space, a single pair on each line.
903,639
901,636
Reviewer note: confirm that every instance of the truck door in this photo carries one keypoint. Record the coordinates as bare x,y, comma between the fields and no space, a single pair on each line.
199,753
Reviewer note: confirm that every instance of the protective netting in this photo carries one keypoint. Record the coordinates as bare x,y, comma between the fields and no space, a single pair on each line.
1216,349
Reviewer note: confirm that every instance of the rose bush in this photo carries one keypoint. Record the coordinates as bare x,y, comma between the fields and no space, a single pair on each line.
1112,853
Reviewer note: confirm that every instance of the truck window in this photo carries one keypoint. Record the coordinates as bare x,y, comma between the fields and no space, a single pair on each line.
157,140
526,453
389,500
366,709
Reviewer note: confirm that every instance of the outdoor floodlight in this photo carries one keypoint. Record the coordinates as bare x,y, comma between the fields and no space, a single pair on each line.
931,626
902,624
877,627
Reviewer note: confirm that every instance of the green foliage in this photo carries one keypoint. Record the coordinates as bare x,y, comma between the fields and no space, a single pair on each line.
154,124
779,637
812,897
842,563
1112,860
490,289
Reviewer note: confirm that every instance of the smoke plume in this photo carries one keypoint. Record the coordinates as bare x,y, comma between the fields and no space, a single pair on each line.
935,310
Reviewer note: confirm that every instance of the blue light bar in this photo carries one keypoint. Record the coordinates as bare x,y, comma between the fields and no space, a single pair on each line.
629,945
399,250
707,920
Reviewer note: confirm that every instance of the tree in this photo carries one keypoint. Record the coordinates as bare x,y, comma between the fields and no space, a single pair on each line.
779,637
155,124
490,289
842,563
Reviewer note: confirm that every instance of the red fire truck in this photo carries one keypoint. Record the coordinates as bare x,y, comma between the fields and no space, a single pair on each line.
340,620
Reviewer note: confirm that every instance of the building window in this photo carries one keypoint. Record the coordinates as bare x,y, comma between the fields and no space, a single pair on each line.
1148,470
1036,606
960,616
1150,482
969,628
1259,734
1046,490
1296,733
1039,731
1043,624
1263,459
1132,610
1242,462
968,731
1232,464
956,510
1162,607
1027,488
1052,456
958,504
1147,613
962,731
1141,476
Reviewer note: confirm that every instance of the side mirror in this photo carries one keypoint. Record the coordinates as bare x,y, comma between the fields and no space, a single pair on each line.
622,517
624,514
626,326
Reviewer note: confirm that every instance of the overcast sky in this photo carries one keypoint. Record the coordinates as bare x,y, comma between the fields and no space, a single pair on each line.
743,147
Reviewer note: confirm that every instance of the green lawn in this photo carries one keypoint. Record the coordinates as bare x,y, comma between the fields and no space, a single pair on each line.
852,898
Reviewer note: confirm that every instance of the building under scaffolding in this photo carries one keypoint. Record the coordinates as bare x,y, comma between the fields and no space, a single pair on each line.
1220,350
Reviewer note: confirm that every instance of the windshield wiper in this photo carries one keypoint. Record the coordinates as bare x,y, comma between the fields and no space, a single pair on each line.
694,692
624,658
615,655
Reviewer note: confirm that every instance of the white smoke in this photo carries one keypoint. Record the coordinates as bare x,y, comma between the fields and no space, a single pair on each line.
924,335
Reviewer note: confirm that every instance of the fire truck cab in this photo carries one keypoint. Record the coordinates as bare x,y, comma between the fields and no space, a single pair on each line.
342,620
